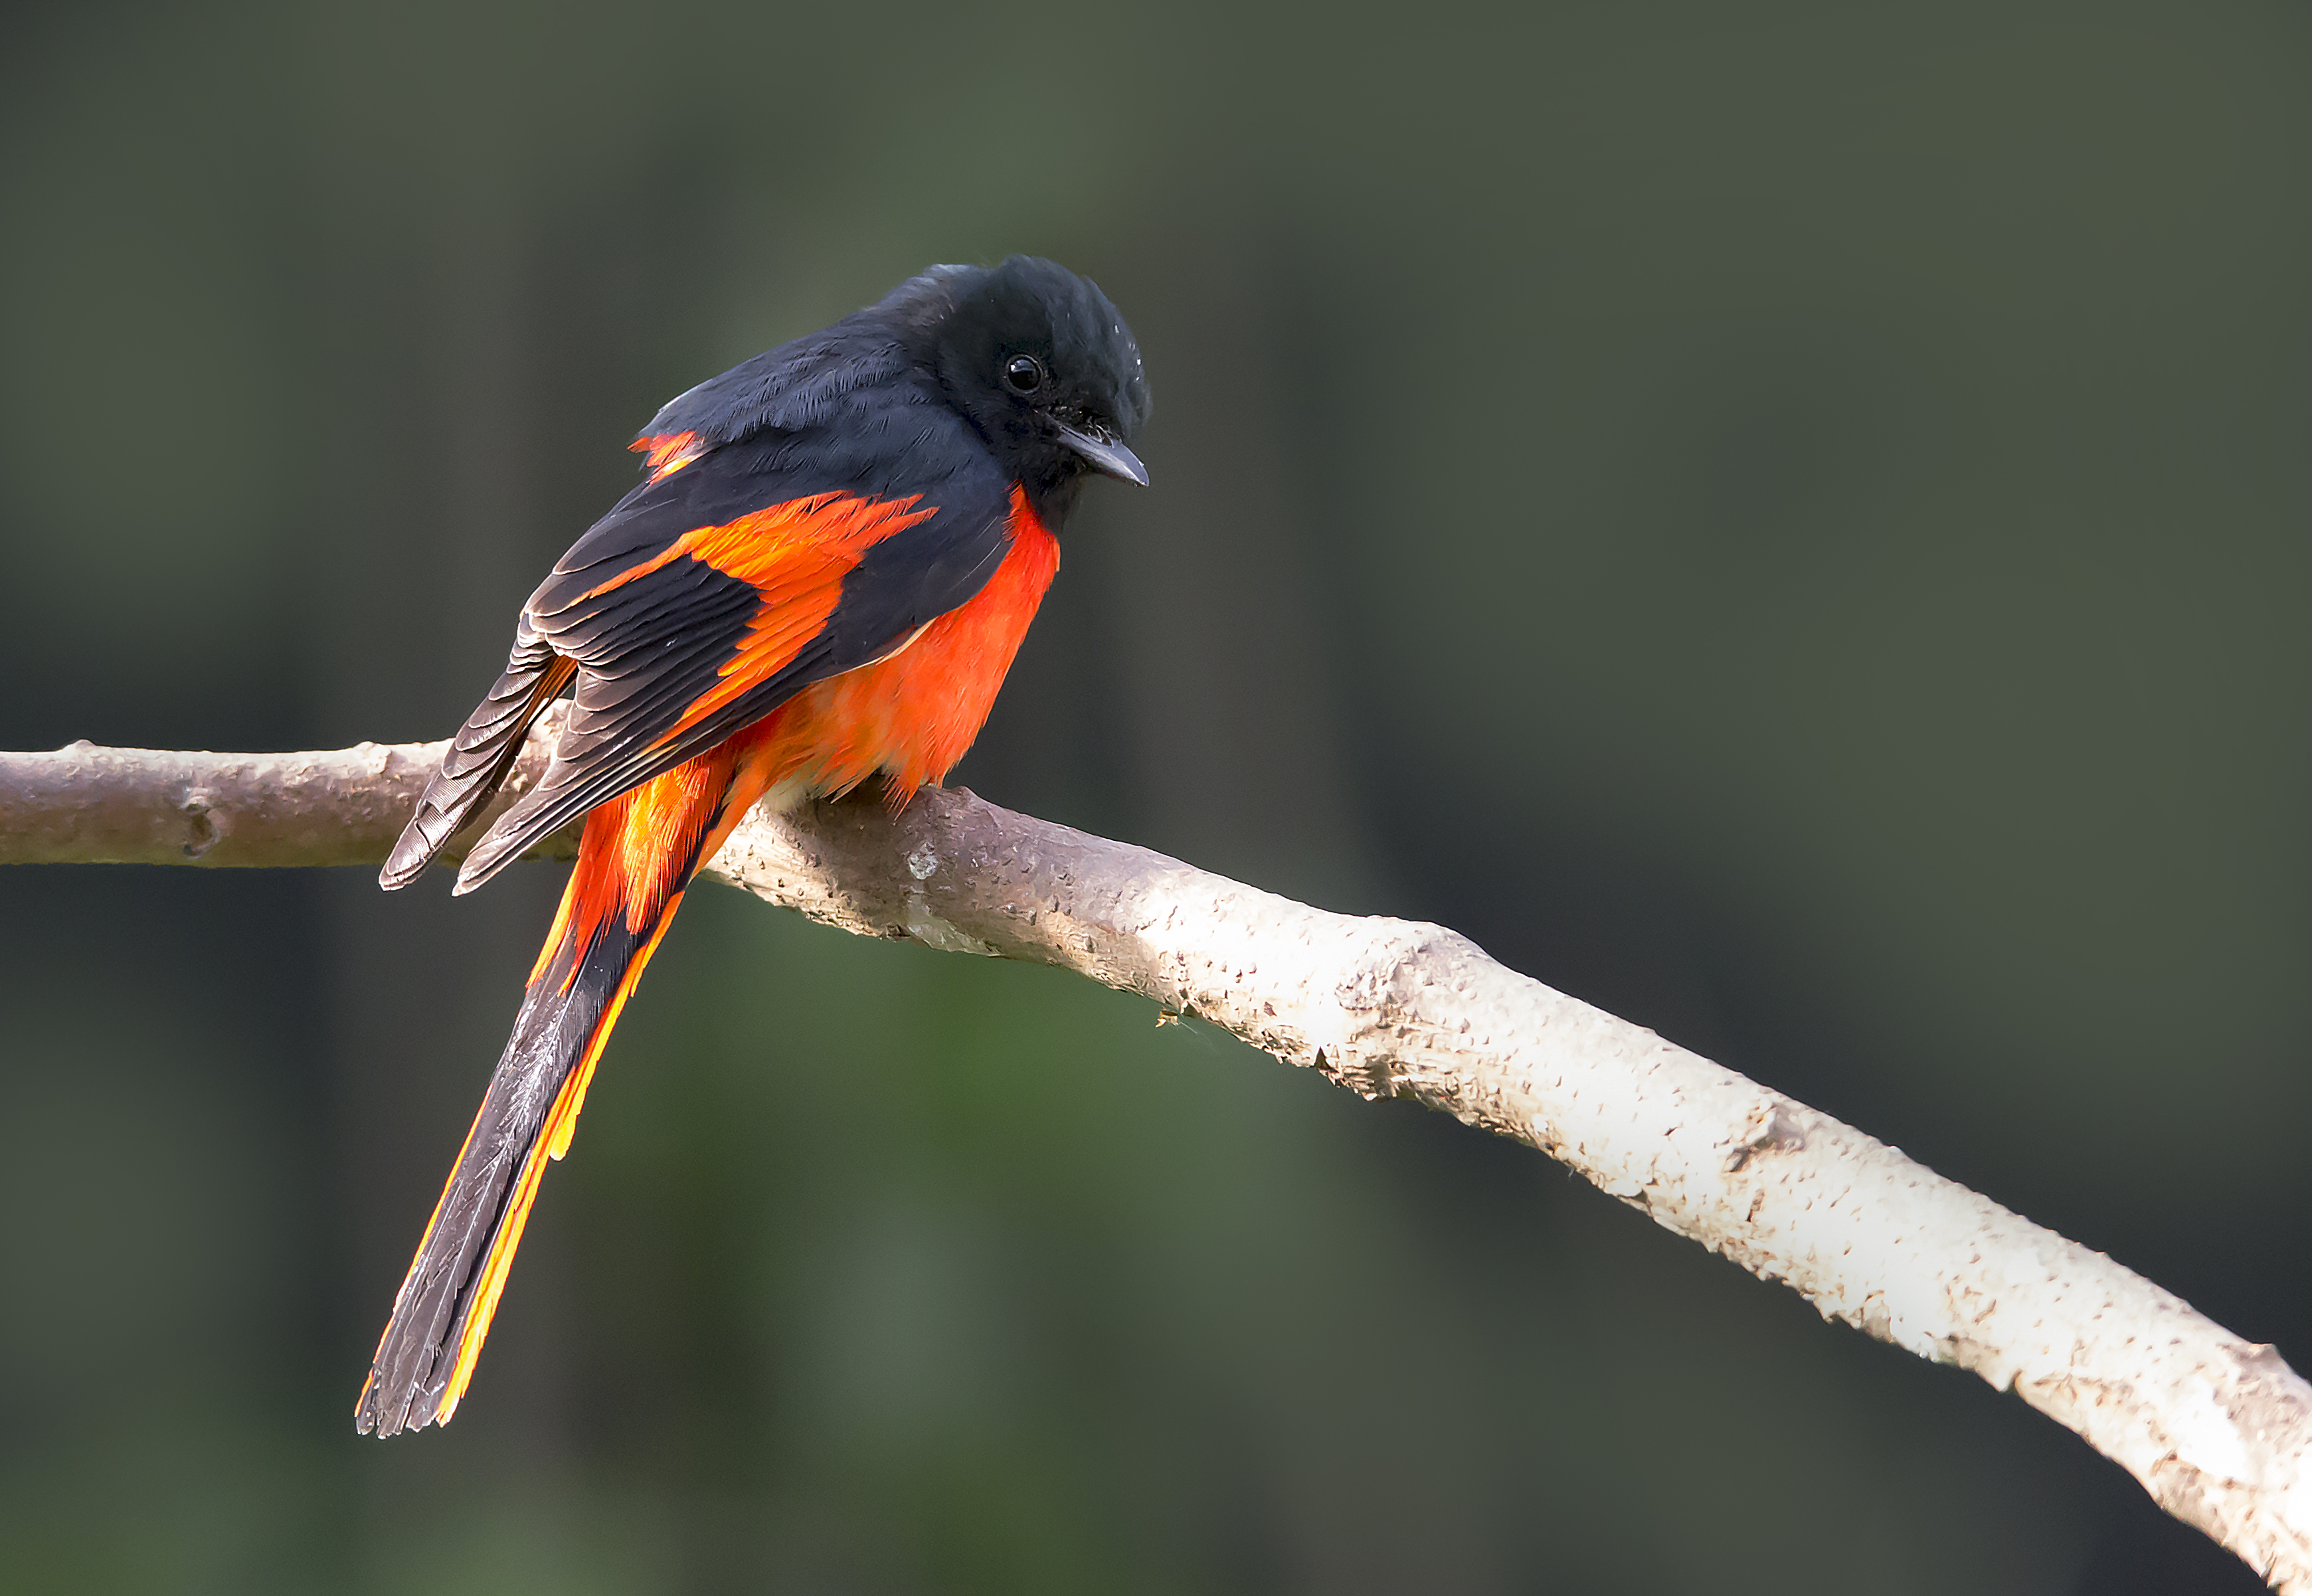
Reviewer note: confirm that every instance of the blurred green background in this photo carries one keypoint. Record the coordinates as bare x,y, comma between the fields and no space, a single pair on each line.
1787,522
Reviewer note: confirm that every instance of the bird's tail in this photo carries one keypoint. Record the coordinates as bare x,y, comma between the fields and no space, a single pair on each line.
637,855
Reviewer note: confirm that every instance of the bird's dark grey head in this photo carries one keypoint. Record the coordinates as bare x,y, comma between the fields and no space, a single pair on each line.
1045,369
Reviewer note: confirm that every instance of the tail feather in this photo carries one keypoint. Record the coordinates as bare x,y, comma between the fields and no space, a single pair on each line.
635,860
479,756
446,1300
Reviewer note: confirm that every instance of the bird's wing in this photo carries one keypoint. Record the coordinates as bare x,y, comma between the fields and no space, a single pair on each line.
732,579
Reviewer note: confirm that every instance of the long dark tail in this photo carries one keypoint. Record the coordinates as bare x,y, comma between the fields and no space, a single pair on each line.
636,858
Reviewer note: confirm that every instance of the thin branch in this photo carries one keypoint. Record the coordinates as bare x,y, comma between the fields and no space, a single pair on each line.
2218,1429
88,805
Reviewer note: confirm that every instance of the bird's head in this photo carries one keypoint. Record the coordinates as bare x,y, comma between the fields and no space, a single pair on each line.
1045,368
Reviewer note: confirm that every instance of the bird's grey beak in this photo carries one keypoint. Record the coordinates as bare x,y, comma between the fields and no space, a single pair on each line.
1113,460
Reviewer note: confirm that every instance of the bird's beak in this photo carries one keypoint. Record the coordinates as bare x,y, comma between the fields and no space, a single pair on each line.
1113,460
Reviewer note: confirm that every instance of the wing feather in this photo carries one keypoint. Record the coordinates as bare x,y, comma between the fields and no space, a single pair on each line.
478,758
716,592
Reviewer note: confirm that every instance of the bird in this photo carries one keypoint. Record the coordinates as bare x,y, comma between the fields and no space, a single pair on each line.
822,578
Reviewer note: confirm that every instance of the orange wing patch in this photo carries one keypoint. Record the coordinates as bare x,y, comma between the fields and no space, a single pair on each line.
796,559
796,556
668,452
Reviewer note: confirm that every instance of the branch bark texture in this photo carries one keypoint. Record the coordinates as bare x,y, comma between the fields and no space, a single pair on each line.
2218,1429
90,805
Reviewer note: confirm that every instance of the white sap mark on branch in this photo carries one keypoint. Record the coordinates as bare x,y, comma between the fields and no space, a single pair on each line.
2295,1507
2206,1437
927,927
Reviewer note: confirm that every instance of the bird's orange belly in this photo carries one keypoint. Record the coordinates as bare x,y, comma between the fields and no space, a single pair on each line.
911,714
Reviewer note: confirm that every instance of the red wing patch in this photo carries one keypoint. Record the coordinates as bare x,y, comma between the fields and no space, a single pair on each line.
668,452
796,556
672,642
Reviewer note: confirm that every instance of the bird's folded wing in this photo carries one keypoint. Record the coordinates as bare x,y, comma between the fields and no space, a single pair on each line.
717,590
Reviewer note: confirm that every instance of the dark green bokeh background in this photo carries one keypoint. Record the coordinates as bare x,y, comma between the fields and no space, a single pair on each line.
1786,522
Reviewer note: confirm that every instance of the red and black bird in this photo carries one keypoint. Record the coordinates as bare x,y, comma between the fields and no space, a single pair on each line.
823,577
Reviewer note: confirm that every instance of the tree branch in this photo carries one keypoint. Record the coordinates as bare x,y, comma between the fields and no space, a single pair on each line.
2218,1429
89,805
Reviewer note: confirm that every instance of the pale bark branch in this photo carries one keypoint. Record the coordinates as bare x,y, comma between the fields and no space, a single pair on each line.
2218,1429
90,805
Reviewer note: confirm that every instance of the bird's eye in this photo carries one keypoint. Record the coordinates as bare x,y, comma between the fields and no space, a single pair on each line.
1025,372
